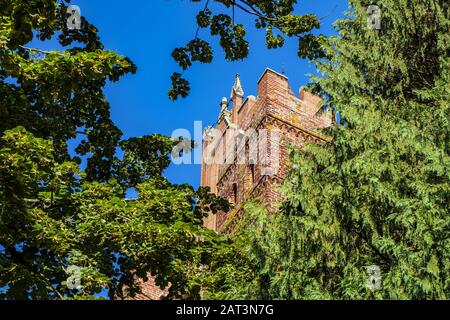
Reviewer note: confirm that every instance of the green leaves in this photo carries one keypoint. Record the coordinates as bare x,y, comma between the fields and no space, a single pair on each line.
231,37
204,18
271,15
56,218
181,56
145,157
196,50
33,102
297,25
200,51
312,47
378,194
273,42
180,87
365,199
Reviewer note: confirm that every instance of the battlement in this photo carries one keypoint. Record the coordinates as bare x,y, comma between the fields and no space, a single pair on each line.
248,152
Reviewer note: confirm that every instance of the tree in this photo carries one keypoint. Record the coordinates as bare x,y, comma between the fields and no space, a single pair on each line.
276,17
378,195
60,224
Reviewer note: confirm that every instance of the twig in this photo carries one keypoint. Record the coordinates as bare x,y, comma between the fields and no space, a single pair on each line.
254,12
329,14
198,28
41,51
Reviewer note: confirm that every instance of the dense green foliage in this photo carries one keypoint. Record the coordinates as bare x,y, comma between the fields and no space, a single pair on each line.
53,215
276,17
379,193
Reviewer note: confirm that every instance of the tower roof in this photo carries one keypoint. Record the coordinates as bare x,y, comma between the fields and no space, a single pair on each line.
237,87
272,71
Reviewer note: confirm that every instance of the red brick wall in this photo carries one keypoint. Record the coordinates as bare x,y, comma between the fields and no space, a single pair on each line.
150,291
275,108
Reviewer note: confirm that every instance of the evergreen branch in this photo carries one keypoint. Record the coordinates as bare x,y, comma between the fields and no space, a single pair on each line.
364,237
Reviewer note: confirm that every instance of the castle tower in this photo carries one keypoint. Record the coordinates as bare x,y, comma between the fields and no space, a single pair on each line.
246,154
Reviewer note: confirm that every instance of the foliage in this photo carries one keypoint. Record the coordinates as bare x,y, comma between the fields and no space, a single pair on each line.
239,271
276,17
379,193
53,215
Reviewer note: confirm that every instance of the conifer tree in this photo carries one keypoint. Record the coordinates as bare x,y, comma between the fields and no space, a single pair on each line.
366,216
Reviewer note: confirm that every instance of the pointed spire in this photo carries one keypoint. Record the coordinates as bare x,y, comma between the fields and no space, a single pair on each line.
237,87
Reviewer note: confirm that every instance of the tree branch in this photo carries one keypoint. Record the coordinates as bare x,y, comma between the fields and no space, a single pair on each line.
41,51
363,236
254,11
17,258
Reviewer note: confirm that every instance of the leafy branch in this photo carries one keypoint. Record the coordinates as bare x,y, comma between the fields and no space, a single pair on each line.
270,15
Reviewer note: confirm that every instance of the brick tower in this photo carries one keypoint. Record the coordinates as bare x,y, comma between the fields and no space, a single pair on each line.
246,154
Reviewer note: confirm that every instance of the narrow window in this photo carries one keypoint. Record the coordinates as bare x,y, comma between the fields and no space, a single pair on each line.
252,173
234,196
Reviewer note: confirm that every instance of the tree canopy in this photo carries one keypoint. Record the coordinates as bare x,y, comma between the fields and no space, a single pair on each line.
378,194
55,214
277,18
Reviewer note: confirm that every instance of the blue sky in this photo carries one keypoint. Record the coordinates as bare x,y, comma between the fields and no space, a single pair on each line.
148,31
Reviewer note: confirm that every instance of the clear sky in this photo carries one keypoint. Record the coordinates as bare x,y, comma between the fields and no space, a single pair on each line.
148,31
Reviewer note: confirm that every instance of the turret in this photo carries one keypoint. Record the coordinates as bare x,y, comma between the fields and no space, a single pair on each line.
237,98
